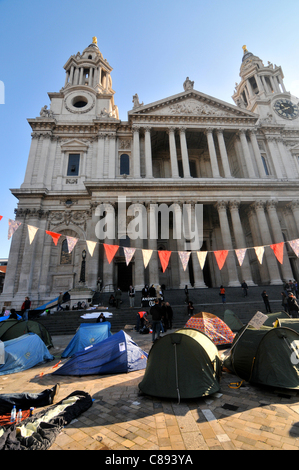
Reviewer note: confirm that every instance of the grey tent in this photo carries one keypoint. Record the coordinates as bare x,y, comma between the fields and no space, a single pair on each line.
184,364
264,357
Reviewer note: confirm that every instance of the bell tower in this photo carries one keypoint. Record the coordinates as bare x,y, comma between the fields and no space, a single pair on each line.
259,83
88,87
262,91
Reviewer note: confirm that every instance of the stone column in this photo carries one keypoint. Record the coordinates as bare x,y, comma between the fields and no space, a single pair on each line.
278,238
148,153
138,244
275,157
99,172
43,160
212,153
81,76
31,159
227,244
112,158
173,153
178,235
90,77
257,241
247,155
240,241
266,240
285,159
152,231
223,153
108,269
184,152
295,209
92,261
257,153
136,152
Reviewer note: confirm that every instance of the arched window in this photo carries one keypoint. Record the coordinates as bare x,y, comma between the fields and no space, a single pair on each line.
124,164
65,256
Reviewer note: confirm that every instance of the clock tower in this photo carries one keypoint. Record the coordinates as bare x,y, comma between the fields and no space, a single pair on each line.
262,91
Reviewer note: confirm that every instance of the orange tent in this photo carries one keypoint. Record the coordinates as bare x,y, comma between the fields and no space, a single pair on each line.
212,326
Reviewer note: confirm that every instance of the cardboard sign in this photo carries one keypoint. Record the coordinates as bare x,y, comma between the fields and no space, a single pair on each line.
258,320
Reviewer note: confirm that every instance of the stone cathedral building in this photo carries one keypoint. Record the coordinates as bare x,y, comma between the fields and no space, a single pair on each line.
240,161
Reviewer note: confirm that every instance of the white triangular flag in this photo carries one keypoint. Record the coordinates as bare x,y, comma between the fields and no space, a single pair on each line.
184,256
71,243
129,253
241,252
146,256
201,255
31,232
91,246
259,251
13,225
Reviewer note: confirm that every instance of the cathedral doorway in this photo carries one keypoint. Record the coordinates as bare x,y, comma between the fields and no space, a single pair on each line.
124,276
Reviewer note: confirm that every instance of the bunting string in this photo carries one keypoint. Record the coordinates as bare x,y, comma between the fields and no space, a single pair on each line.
164,255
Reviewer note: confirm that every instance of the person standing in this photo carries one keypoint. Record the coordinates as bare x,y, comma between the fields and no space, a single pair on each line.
266,301
156,313
59,302
131,294
245,288
118,295
293,305
222,294
25,308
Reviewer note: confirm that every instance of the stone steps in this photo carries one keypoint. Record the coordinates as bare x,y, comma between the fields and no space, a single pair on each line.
208,300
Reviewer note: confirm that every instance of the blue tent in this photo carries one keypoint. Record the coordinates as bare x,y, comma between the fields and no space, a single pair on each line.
87,335
24,352
115,355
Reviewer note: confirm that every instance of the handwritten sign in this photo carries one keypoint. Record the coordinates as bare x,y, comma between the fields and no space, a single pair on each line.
258,320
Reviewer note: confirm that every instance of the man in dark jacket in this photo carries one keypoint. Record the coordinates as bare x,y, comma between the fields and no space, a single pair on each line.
156,313
293,305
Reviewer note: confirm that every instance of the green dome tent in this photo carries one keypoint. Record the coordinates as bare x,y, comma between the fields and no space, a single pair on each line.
264,357
11,329
232,320
272,317
184,364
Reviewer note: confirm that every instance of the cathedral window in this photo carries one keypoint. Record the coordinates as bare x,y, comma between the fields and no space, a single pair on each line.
265,165
124,164
73,164
65,256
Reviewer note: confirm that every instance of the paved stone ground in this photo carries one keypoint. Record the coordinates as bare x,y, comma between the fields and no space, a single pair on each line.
248,418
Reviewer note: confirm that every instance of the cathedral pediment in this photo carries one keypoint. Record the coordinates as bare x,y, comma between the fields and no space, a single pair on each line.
192,104
74,145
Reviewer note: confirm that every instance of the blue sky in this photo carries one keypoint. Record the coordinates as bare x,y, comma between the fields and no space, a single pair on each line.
151,45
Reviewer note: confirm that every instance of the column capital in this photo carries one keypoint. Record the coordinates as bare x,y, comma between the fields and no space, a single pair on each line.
136,128
234,205
221,205
208,130
259,205
182,129
147,128
171,129
271,204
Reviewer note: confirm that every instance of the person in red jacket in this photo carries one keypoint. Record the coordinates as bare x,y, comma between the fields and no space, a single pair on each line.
25,308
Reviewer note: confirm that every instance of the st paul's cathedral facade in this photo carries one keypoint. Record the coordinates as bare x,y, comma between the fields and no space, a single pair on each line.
239,161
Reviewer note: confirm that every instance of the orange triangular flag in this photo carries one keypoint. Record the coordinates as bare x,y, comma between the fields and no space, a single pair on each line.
110,251
220,257
164,258
278,251
55,236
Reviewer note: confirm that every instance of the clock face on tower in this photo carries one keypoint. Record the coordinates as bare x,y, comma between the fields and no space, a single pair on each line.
286,109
